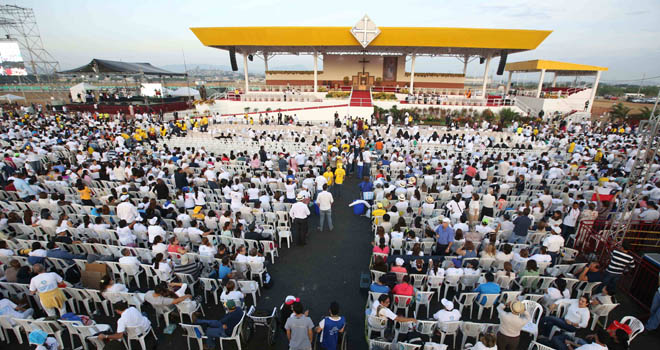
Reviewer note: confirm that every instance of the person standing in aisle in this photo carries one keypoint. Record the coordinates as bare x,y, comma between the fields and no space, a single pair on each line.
324,200
299,213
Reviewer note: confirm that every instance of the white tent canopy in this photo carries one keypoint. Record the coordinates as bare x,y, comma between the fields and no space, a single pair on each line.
81,89
11,98
185,91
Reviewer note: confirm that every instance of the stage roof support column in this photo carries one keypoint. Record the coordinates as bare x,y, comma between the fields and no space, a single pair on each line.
266,61
508,83
540,87
554,79
412,74
245,71
483,88
465,62
316,56
593,92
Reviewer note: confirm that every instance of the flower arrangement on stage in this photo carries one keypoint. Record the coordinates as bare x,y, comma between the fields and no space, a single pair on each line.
338,94
383,96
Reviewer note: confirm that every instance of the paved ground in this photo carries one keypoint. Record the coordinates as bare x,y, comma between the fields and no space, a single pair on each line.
328,269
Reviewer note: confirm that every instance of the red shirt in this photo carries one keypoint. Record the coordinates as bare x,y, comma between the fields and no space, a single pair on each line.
471,171
385,250
403,289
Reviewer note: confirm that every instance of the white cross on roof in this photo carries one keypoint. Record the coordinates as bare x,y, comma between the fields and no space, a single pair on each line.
365,31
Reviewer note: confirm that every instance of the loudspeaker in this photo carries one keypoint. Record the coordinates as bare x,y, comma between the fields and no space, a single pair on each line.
482,60
232,59
500,68
251,58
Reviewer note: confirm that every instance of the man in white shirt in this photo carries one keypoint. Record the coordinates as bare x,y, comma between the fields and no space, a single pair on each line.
488,203
128,317
128,260
126,210
46,284
324,201
299,213
554,243
651,214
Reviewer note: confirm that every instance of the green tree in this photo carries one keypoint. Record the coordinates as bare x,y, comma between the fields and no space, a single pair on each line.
508,115
645,113
619,112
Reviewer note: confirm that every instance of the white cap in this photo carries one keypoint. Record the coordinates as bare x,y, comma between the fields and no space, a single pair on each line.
399,261
153,220
447,304
446,220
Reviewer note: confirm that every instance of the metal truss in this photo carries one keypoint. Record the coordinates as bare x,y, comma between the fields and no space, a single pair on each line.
640,174
20,24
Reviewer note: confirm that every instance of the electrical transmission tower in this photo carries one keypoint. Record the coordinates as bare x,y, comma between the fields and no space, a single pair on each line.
640,175
20,24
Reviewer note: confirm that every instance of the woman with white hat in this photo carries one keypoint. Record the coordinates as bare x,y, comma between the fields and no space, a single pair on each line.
426,210
512,320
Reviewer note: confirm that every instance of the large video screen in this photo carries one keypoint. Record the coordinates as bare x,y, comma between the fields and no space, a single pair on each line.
11,61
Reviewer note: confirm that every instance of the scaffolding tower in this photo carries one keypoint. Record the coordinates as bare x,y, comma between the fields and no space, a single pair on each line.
649,141
20,24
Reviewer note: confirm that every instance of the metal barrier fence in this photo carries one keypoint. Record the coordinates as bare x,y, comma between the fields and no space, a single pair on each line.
640,284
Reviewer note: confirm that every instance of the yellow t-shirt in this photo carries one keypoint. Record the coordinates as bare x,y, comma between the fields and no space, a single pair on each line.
205,121
85,193
329,177
571,147
340,173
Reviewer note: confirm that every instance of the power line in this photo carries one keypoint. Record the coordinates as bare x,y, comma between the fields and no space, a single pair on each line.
649,78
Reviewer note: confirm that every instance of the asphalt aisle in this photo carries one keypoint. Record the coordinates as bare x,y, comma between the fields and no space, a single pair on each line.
326,269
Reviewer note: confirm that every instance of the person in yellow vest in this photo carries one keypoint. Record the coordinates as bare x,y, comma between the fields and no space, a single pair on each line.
329,176
363,142
410,120
205,123
340,161
519,130
571,147
599,155
622,130
329,147
163,131
196,125
377,214
137,136
340,174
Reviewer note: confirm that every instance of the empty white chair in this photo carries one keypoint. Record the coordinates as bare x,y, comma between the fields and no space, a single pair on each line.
535,312
465,299
636,326
598,311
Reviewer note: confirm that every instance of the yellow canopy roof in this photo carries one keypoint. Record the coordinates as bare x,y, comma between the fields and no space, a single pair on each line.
552,66
409,39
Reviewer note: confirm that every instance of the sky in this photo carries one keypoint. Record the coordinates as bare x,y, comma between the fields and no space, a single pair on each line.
621,35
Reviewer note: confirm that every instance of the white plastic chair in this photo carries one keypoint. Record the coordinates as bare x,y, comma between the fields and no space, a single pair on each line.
636,327
451,281
249,287
235,334
402,302
423,299
465,299
538,346
602,310
379,345
285,235
535,312
211,285
435,283
489,304
257,269
189,307
195,332
133,333
6,325
270,248
376,324
470,329
450,328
